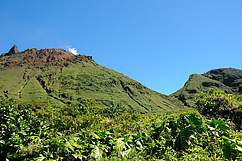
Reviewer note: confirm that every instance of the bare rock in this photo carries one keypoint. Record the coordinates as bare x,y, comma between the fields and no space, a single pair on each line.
13,50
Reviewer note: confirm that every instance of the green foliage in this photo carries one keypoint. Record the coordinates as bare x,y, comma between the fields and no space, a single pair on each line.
18,125
223,106
36,131
220,105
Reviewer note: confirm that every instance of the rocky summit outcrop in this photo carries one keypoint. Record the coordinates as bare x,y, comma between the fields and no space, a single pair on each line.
48,55
229,76
225,79
13,50
36,57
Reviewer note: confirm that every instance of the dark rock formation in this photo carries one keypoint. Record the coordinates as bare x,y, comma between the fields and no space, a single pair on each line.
229,76
13,50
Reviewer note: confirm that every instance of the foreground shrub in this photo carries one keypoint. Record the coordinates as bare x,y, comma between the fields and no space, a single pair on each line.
17,126
44,132
218,104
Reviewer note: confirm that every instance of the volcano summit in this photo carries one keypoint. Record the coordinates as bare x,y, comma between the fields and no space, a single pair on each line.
59,77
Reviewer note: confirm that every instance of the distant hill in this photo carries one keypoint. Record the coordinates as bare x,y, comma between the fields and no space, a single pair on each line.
59,77
226,79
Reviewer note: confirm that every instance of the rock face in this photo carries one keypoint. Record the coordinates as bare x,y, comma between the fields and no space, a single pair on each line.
13,50
47,55
36,57
229,76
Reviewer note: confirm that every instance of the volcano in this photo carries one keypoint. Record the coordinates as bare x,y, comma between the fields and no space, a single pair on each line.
60,78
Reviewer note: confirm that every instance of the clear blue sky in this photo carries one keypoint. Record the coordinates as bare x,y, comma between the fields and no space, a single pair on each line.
158,43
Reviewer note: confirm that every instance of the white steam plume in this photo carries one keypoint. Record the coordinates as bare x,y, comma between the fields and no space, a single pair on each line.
72,50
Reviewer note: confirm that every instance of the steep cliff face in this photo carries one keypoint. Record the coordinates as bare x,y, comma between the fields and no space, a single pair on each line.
59,77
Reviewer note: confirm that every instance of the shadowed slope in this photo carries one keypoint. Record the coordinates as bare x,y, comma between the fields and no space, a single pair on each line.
229,76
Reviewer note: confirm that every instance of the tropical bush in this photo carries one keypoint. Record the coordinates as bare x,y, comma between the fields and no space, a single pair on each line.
36,131
218,104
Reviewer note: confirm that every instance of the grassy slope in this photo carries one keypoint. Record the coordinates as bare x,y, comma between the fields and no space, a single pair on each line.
85,80
78,80
11,81
195,85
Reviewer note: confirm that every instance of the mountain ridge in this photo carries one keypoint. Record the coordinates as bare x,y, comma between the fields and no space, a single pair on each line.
35,56
226,79
59,77
229,76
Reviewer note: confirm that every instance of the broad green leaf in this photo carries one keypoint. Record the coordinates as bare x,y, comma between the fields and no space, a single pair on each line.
79,156
75,144
95,136
68,145
119,144
239,148
139,145
125,153
41,158
96,153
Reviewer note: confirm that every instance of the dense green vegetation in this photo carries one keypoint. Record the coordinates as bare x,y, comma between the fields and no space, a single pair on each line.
37,131
218,104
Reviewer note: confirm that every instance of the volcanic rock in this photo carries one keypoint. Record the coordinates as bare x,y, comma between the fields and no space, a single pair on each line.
13,50
35,56
228,76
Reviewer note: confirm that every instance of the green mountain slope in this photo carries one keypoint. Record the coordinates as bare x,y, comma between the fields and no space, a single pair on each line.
195,85
225,79
58,77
